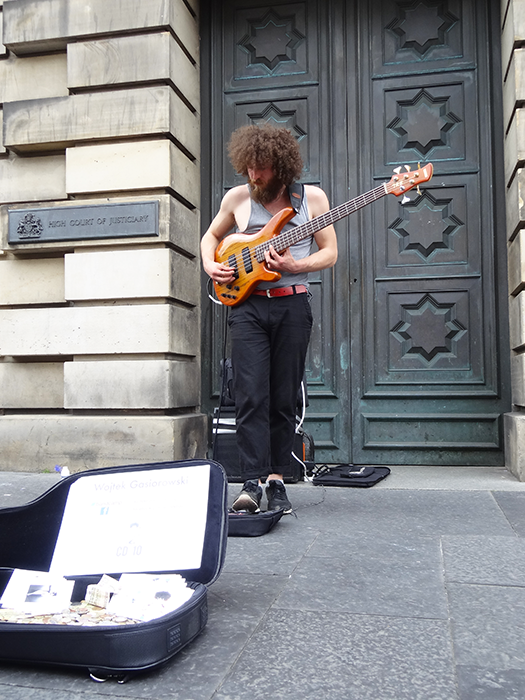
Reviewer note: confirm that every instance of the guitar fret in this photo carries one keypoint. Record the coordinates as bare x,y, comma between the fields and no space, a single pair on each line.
309,228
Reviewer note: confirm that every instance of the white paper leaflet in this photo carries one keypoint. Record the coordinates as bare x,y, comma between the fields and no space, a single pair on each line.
150,520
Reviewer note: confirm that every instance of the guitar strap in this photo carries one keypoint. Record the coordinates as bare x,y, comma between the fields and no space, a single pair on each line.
296,192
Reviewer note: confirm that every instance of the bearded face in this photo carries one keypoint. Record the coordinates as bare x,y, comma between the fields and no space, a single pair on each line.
265,191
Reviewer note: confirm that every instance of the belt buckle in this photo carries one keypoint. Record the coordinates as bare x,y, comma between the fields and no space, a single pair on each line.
268,293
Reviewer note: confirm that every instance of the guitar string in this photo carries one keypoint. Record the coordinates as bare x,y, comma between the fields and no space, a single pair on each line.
288,238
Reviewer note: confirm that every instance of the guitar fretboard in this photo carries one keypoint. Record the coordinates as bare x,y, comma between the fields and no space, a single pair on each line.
288,238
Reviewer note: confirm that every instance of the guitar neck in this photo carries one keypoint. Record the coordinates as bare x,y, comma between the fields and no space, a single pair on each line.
288,238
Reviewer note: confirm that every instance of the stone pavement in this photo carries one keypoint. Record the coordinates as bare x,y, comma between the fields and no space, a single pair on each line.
413,589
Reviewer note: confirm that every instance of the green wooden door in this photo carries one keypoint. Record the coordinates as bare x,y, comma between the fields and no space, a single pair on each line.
408,362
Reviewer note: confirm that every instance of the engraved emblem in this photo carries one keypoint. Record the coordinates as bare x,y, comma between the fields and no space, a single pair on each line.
30,226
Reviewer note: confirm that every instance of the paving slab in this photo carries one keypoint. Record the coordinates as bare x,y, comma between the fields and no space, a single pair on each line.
333,655
18,488
513,507
488,626
492,561
370,575
481,684
403,512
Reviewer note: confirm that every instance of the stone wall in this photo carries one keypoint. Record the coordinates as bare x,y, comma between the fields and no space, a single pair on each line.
100,338
513,65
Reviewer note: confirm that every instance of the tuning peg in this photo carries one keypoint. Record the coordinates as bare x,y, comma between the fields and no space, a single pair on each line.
408,167
418,190
397,170
405,199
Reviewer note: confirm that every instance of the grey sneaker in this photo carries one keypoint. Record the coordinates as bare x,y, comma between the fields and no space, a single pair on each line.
276,495
249,498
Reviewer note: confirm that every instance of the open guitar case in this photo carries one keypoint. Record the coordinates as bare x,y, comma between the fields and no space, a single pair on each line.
32,534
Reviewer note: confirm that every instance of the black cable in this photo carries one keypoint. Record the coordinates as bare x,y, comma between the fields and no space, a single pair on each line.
223,384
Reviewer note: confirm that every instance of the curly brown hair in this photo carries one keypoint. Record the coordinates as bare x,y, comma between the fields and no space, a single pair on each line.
266,146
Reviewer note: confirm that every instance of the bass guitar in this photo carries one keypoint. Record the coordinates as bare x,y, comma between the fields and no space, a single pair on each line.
245,252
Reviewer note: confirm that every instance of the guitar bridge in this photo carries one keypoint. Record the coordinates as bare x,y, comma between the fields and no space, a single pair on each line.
247,260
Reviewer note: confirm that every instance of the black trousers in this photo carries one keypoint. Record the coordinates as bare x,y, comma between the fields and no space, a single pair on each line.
269,343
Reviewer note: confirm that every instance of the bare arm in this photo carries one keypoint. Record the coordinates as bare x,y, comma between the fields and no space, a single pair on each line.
222,224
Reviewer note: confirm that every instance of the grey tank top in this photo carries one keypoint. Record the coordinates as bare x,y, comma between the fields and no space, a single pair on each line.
259,217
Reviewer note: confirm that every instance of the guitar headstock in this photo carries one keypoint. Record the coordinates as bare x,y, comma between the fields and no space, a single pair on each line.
402,182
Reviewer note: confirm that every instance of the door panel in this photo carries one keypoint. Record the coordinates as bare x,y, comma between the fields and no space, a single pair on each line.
429,390
408,361
424,118
298,112
270,71
269,45
408,36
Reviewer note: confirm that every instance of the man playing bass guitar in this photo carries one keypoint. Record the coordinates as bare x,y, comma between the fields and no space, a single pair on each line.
270,328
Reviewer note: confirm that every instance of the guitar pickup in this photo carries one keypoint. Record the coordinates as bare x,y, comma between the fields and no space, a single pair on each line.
247,260
232,262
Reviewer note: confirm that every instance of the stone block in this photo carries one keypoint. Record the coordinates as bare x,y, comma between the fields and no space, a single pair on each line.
33,77
178,225
513,32
56,123
3,149
514,430
515,203
33,281
36,26
138,165
33,443
131,384
509,95
518,379
194,6
35,385
514,85
514,145
503,10
517,321
516,264
32,179
3,49
132,274
102,330
126,60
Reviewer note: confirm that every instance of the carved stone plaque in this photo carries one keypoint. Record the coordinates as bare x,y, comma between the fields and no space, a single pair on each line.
87,222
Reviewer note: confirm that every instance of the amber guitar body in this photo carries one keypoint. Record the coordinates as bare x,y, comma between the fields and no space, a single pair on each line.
239,250
245,252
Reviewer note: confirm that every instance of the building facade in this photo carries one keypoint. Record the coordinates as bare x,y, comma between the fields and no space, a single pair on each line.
100,334
513,32
101,301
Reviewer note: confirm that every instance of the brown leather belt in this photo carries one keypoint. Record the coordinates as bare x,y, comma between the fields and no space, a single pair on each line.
281,291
